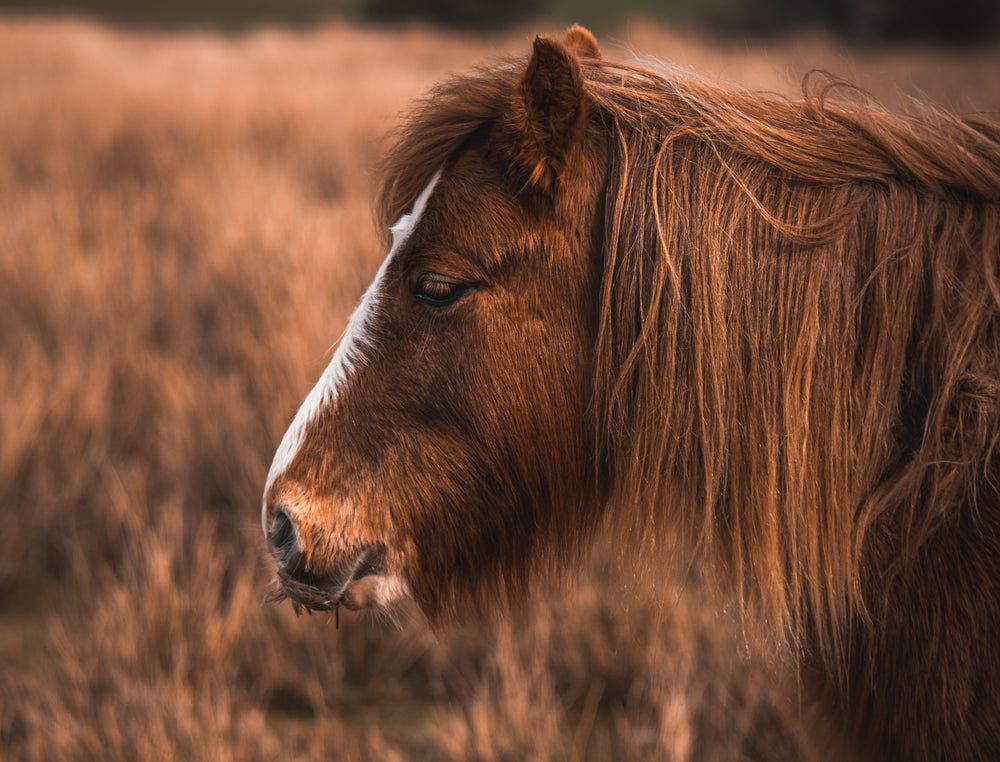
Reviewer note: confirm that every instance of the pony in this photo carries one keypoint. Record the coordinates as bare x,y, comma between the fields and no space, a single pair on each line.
768,326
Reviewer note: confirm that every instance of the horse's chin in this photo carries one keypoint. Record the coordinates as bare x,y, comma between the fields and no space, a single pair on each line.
376,592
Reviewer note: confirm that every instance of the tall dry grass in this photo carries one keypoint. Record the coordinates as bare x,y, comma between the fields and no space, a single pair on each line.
184,228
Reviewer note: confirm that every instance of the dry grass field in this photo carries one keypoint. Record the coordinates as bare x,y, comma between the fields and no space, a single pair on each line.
185,226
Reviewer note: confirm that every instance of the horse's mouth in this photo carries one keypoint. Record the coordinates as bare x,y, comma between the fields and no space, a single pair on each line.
355,584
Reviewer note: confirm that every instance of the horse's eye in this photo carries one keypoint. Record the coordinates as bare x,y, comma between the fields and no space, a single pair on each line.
437,292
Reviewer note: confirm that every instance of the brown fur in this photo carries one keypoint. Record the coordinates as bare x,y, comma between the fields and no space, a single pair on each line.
772,326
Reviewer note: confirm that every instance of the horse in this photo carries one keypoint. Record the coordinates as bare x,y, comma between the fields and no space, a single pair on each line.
769,326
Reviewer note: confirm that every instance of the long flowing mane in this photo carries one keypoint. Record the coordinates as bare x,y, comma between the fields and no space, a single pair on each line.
798,355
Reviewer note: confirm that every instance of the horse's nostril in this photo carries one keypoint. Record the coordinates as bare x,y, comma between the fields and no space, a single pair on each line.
283,541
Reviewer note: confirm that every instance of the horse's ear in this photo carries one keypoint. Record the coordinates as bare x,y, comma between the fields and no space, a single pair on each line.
550,113
581,42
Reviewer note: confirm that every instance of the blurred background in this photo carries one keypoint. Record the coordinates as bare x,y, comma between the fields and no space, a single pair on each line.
951,21
185,226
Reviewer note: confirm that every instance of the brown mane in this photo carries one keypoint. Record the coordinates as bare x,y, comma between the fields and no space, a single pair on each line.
798,354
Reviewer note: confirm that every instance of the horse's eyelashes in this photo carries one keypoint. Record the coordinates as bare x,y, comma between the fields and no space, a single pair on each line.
438,292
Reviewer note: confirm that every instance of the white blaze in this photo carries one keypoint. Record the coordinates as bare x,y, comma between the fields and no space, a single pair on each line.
351,351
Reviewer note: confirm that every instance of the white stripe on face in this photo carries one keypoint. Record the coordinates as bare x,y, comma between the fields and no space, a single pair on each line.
350,353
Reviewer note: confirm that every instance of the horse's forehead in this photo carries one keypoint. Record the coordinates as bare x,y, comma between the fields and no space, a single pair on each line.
472,209
402,229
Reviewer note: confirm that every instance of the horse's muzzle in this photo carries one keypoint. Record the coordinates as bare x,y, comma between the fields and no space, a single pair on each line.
319,590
